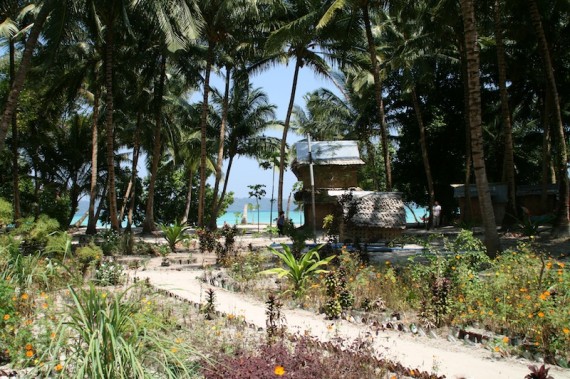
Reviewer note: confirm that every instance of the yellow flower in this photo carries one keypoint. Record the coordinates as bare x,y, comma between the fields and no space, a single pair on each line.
174,350
29,353
58,367
543,296
103,295
506,339
497,349
548,265
523,289
6,317
29,346
279,370
560,264
540,314
25,296
458,257
44,306
566,330
52,336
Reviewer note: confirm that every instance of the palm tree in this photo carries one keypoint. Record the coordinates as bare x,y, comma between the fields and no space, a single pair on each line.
360,12
297,38
508,160
25,64
472,54
249,115
563,210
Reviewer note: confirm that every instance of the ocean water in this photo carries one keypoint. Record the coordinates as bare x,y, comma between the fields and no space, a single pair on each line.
265,216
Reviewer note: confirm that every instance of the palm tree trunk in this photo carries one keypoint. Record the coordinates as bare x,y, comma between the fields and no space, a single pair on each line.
425,158
467,214
15,142
188,198
546,153
298,64
562,222
20,78
136,152
225,188
203,124
378,96
92,222
490,228
111,192
508,158
148,223
220,160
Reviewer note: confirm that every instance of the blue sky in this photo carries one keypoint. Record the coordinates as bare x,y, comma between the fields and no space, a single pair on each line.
276,82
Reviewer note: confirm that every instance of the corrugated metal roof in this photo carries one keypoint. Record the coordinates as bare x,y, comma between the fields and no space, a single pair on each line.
498,191
536,189
329,152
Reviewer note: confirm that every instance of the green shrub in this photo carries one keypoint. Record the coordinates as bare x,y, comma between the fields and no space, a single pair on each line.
174,234
6,216
115,335
88,255
109,274
35,233
110,242
299,271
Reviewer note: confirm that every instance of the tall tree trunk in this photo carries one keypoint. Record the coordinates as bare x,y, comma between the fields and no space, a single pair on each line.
186,213
425,157
92,221
133,182
546,178
468,206
491,236
220,160
508,158
225,188
298,64
20,78
562,222
148,223
203,125
109,129
378,96
15,142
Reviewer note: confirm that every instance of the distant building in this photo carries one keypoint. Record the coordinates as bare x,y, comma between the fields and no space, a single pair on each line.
361,215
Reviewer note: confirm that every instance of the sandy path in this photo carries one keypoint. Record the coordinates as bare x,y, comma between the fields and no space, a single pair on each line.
452,359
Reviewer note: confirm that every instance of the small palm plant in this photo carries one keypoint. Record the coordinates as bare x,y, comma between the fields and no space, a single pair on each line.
174,234
299,271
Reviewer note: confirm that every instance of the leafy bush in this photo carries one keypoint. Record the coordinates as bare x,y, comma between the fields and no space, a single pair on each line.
109,274
110,242
5,213
88,255
35,233
58,244
306,359
174,234
113,335
298,271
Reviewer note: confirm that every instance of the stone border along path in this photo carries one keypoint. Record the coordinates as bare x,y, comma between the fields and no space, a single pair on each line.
452,359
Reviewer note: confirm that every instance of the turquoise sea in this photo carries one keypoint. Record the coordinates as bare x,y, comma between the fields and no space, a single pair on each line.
265,216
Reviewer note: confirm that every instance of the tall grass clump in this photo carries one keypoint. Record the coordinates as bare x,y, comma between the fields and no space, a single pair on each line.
114,335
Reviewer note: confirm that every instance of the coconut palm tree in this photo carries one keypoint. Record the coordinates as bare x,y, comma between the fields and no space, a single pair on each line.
298,39
473,83
563,210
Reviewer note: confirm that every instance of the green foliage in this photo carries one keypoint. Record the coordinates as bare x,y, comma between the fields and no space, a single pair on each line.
56,206
298,237
298,271
5,213
112,335
88,255
109,274
109,242
246,267
59,245
174,234
35,233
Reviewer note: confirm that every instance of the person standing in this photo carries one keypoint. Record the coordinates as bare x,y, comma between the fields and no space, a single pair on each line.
281,223
436,214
